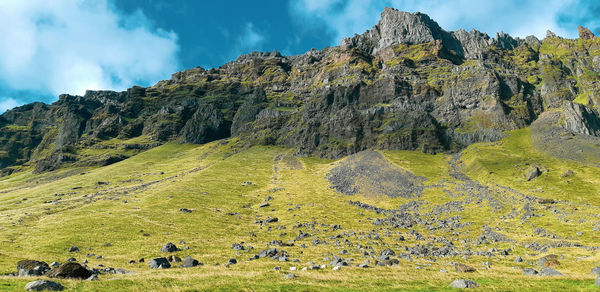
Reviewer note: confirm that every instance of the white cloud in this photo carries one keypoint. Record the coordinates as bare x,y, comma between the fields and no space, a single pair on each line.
8,103
516,17
69,46
250,39
343,18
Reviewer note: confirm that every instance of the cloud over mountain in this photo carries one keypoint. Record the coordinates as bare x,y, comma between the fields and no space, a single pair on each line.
54,47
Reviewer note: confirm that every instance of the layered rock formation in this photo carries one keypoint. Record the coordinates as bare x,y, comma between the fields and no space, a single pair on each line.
404,84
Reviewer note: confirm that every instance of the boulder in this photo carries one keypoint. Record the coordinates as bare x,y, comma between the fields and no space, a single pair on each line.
387,252
595,271
463,283
462,268
290,276
169,247
231,261
532,173
159,263
69,270
174,259
41,285
518,259
32,268
549,272
190,262
550,260
529,272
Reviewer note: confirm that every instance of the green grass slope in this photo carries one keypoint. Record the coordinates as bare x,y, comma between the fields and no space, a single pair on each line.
135,206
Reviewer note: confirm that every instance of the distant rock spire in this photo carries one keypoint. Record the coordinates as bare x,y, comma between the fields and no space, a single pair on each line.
585,33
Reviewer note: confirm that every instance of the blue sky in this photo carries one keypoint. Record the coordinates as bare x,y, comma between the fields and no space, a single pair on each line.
67,46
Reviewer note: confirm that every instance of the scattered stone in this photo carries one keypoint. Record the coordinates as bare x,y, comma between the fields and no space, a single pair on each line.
567,173
93,277
41,285
597,282
549,272
547,201
293,268
169,247
550,260
387,252
290,276
337,268
54,264
595,271
237,246
73,249
231,261
463,283
70,270
518,259
71,260
159,263
388,262
131,262
532,173
185,210
141,260
190,262
271,220
264,205
363,266
529,272
462,268
174,259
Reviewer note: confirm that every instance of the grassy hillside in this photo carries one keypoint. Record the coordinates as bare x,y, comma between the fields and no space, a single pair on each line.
128,210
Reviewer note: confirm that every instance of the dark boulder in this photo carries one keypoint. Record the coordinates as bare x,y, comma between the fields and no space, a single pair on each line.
32,268
43,285
169,247
70,270
190,262
159,263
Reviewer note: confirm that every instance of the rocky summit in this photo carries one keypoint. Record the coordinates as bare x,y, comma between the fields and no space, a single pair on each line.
408,157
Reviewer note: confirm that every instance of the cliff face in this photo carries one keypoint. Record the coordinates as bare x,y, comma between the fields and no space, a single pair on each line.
404,84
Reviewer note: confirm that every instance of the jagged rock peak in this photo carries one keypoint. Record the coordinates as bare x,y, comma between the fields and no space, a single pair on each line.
399,27
585,33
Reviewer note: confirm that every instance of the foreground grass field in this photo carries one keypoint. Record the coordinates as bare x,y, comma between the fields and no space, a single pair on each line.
128,210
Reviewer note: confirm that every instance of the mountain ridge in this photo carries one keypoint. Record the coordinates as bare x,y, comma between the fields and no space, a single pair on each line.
406,84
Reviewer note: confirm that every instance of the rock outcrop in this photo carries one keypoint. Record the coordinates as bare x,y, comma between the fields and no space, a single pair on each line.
585,33
405,84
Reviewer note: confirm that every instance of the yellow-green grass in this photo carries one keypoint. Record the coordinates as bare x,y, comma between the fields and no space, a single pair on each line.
211,181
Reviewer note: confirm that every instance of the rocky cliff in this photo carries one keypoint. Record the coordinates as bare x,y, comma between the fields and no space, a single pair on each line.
405,84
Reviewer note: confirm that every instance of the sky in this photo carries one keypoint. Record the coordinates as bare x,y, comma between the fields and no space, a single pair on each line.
67,46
